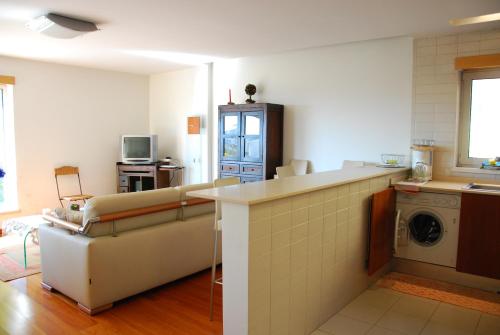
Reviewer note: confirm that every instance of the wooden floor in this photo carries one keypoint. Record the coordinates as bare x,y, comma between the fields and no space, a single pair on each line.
177,308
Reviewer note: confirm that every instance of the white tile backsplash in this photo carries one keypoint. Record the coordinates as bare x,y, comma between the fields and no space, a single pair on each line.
436,90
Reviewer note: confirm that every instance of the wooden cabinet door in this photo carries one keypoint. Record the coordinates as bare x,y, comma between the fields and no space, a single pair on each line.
252,136
479,235
382,225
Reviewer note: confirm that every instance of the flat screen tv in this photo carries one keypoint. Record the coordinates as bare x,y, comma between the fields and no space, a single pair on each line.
139,148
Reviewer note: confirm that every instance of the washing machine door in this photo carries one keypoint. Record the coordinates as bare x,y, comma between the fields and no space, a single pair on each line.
425,229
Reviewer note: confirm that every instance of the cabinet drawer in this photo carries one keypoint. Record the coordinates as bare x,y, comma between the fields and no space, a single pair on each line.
123,189
140,169
245,179
229,168
251,169
123,180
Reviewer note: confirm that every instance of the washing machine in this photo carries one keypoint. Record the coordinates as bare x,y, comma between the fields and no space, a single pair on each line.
427,227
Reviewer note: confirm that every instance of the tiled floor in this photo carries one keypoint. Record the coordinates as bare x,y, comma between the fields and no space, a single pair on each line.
379,311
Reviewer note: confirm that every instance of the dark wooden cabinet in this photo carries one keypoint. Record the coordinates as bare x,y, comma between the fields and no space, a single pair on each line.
479,235
250,141
381,235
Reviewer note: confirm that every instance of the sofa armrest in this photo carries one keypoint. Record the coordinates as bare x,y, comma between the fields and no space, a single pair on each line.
65,262
65,224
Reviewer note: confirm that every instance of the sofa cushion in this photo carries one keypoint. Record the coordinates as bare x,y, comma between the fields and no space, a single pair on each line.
191,211
112,203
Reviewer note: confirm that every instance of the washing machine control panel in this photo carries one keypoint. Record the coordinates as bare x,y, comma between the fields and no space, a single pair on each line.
430,199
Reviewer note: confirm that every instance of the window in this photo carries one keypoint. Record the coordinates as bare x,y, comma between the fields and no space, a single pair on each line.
8,198
479,117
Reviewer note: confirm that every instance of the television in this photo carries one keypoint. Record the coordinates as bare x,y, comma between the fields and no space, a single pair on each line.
139,148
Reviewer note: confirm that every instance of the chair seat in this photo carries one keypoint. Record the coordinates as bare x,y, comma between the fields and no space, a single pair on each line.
76,197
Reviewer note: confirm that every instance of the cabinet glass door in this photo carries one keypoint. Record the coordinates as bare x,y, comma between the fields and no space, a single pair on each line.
252,136
230,136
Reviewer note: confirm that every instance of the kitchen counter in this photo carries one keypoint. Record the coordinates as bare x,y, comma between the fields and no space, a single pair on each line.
258,192
314,222
453,187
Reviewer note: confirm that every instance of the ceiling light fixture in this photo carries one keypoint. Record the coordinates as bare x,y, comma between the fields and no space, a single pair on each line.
58,26
475,19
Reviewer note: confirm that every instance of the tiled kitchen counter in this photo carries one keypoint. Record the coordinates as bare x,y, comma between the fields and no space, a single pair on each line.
294,249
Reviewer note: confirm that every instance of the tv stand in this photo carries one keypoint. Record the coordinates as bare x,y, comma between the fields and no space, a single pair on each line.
141,177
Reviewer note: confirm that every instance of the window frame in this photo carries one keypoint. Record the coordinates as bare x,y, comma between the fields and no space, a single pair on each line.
467,77
9,150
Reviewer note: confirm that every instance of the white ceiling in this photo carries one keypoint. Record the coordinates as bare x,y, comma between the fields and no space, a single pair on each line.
134,34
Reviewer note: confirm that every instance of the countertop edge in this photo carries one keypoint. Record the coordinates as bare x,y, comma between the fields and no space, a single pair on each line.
250,202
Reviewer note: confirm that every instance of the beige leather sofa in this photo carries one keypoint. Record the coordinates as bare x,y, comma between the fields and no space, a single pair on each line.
127,243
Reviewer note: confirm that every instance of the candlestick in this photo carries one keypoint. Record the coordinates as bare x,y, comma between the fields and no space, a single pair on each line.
230,100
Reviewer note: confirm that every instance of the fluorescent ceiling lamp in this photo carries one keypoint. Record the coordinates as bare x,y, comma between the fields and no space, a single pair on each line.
174,57
59,26
475,19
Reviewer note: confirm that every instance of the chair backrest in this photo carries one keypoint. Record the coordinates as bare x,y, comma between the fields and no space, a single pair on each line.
66,170
220,183
285,171
349,164
299,166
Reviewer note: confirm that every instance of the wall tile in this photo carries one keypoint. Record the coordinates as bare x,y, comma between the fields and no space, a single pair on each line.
300,201
316,198
315,211
426,51
449,39
259,229
260,247
426,42
281,222
281,239
490,34
281,206
489,44
299,232
469,37
260,211
447,49
300,216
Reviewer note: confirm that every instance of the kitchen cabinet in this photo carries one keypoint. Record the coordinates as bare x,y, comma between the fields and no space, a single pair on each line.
479,235
250,141
382,224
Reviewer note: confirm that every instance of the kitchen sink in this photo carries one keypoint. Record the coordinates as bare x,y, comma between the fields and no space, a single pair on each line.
482,187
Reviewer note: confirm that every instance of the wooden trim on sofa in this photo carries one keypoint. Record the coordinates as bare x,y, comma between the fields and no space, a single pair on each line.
128,213
151,209
66,224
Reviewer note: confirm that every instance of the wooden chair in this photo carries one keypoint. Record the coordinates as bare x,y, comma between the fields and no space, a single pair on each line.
285,171
65,171
299,166
217,229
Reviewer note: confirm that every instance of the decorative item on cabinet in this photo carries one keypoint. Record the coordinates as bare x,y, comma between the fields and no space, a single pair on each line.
230,102
250,89
250,141
194,125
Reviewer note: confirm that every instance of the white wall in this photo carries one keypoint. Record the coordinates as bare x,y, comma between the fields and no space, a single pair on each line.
351,101
173,97
71,115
